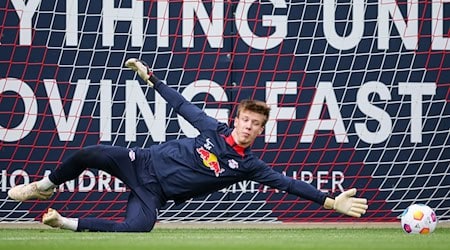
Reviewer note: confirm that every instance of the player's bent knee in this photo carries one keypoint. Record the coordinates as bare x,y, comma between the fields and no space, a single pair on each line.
141,224
133,228
144,229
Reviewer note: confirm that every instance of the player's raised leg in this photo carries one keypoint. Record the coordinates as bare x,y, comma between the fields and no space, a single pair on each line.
97,156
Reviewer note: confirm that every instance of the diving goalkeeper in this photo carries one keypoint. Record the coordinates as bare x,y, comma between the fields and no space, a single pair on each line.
179,169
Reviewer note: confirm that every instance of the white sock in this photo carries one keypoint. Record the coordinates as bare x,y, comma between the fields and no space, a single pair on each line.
45,184
69,223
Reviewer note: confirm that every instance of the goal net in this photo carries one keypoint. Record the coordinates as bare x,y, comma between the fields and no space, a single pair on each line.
359,92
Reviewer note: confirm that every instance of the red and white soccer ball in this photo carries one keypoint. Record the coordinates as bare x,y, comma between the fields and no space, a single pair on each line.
418,219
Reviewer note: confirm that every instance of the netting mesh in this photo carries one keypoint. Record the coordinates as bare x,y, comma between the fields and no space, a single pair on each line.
359,92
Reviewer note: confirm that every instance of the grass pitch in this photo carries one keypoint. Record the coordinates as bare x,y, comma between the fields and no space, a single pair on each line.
218,239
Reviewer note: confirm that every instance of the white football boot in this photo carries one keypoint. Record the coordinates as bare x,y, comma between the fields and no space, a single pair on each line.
52,218
30,191
141,68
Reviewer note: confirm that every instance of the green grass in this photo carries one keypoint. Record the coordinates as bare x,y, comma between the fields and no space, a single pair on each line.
218,239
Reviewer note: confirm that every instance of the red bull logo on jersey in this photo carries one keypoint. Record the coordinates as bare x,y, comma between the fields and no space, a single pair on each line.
210,161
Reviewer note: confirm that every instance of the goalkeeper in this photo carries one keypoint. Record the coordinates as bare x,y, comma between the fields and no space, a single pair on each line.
180,169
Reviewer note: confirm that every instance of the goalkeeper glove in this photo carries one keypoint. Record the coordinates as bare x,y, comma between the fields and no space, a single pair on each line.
346,204
143,70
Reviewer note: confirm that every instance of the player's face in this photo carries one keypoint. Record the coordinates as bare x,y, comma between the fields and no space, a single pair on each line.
247,126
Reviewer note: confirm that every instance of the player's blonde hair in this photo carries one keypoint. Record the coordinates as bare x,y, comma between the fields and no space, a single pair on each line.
256,106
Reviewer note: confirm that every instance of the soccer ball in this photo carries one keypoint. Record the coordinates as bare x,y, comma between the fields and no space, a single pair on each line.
418,219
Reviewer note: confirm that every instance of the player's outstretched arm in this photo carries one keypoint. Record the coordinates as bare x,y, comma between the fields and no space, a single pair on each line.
346,204
143,70
194,115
